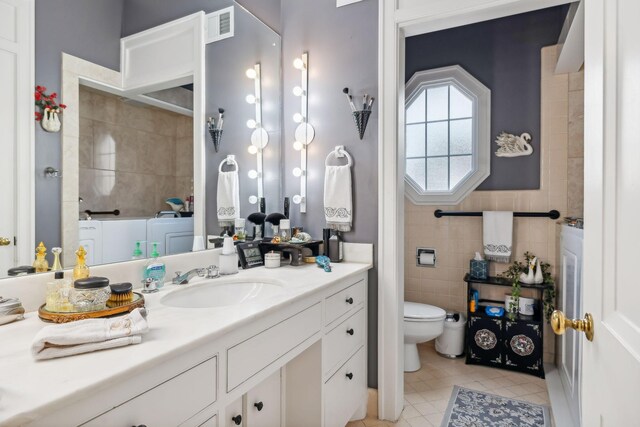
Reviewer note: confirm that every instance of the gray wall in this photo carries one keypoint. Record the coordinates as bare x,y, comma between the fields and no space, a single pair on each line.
504,54
342,45
89,30
268,11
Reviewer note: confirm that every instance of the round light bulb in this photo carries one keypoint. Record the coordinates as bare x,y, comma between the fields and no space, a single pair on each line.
298,118
297,199
253,200
253,174
251,124
297,91
298,63
250,99
297,172
251,73
297,145
253,149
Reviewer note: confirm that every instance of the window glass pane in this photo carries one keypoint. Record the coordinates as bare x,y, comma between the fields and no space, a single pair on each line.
437,139
415,141
415,110
437,173
461,104
461,141
415,171
438,103
460,167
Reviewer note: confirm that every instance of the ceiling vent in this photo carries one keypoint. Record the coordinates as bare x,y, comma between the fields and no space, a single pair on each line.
220,24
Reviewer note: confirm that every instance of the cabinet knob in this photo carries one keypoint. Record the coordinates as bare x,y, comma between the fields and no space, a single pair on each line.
141,425
350,331
259,406
350,375
237,419
349,300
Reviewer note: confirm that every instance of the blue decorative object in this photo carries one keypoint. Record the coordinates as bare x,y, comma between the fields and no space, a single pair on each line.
324,262
479,269
176,204
494,311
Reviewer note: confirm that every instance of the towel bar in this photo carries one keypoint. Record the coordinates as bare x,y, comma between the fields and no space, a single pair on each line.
552,214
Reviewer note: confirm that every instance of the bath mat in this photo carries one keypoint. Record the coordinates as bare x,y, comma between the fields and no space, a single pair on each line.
470,408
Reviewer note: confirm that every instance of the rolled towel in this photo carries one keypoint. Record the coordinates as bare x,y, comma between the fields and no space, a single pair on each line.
89,335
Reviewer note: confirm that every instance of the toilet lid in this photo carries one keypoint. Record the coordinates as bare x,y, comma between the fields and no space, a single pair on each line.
414,310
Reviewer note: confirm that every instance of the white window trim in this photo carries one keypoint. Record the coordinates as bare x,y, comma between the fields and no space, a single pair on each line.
481,159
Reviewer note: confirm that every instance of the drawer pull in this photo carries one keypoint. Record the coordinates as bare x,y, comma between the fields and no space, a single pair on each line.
259,406
350,331
349,300
237,419
349,375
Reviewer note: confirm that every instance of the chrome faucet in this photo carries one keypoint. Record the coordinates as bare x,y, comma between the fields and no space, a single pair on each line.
210,272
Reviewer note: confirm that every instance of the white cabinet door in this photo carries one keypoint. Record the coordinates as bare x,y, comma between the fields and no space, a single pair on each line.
263,403
233,415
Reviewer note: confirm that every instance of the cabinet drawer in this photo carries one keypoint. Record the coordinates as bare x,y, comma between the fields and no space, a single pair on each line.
249,357
346,391
339,344
171,403
263,403
341,302
234,414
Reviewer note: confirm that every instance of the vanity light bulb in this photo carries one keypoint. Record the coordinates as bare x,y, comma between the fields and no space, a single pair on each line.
253,200
297,91
297,172
251,73
298,118
251,124
250,99
298,63
297,146
297,199
253,174
253,149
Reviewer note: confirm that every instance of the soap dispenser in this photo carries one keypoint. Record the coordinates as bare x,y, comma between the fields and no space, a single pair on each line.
80,271
40,263
228,258
137,252
155,268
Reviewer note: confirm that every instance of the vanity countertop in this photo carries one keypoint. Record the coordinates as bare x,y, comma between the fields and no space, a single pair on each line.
29,388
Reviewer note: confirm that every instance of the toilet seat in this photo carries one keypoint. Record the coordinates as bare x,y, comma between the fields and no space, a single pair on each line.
416,312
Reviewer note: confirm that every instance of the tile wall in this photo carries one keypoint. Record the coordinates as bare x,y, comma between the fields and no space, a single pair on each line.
457,239
575,153
132,157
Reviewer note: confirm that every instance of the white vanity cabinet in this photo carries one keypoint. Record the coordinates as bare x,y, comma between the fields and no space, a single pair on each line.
263,403
234,415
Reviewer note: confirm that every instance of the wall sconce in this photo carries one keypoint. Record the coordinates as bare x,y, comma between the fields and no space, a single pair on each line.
259,136
215,128
305,133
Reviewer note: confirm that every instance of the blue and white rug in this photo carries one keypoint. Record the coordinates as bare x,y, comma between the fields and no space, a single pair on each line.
470,408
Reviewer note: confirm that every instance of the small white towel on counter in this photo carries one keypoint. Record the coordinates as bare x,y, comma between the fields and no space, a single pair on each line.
228,198
338,209
89,335
497,230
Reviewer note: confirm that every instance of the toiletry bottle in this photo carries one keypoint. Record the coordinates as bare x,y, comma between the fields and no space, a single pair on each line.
57,266
80,271
40,263
137,252
285,230
58,291
335,247
228,259
326,235
155,268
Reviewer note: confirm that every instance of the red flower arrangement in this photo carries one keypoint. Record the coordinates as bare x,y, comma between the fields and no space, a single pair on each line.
46,103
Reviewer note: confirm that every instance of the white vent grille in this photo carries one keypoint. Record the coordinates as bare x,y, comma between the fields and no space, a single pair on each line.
220,24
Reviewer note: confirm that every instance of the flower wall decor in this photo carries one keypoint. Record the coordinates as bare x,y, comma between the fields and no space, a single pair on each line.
49,109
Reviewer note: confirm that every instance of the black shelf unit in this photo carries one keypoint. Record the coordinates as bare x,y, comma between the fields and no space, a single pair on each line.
513,344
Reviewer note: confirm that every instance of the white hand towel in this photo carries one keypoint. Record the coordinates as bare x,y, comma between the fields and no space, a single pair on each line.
337,197
89,335
228,198
498,235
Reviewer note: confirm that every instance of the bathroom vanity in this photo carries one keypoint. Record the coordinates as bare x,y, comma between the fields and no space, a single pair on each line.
293,356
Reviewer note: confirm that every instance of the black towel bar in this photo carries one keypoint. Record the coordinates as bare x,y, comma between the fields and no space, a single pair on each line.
115,212
552,214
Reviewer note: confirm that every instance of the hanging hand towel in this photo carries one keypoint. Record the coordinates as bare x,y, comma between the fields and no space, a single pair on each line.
89,335
337,196
498,235
228,198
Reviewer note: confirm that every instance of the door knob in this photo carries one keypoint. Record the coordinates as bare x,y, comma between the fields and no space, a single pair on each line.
560,323
4,241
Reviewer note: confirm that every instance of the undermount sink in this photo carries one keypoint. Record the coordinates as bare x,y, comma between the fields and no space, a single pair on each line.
215,293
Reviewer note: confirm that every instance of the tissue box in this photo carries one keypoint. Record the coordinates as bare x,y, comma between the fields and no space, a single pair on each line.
479,269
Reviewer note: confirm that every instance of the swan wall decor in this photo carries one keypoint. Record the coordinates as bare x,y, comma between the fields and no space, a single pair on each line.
510,145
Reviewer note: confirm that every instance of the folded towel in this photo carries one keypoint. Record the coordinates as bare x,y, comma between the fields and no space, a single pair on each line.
337,197
498,235
228,198
89,335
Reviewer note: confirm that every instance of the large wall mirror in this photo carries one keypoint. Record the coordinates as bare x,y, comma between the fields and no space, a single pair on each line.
132,146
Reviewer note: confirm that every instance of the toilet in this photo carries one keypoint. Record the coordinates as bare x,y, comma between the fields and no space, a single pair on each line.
422,323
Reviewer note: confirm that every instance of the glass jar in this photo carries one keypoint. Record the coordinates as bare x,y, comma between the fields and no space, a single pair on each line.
285,230
90,294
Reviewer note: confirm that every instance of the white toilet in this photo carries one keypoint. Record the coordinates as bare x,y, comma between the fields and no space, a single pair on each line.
422,323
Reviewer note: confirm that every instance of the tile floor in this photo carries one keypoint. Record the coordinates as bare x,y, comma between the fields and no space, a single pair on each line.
428,390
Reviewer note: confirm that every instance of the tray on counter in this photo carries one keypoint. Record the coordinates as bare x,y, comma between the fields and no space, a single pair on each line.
112,309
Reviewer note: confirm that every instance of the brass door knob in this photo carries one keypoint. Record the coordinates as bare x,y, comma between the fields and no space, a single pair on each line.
4,241
560,323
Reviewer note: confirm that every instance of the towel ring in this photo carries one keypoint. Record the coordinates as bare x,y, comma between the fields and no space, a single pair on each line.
338,153
230,160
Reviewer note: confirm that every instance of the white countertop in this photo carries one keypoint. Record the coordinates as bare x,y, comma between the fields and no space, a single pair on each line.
29,388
